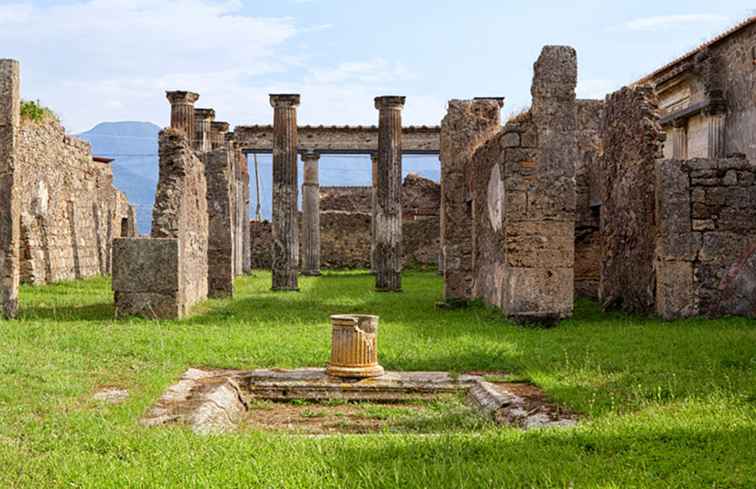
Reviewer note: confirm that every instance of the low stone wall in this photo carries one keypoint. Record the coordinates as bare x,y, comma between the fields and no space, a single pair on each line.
345,241
70,210
706,237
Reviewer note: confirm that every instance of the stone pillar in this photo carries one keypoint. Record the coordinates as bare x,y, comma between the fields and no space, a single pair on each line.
373,204
182,111
285,229
10,219
219,173
680,140
203,120
311,215
244,212
715,122
388,215
218,132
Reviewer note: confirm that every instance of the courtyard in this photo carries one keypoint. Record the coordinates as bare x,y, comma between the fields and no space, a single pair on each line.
659,404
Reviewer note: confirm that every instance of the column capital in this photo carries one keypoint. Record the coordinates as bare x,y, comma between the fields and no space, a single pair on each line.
390,102
181,97
204,114
220,126
284,100
310,156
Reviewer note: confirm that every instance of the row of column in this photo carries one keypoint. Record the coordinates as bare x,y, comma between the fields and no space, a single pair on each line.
386,229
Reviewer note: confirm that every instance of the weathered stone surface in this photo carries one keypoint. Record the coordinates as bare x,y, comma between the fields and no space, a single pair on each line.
10,205
158,277
203,129
285,231
388,202
466,126
632,142
311,215
524,201
260,244
221,192
705,266
354,346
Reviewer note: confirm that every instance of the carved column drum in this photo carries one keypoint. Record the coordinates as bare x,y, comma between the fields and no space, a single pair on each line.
354,346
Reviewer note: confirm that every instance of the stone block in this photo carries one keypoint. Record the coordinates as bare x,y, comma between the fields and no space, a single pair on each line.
538,294
675,297
146,265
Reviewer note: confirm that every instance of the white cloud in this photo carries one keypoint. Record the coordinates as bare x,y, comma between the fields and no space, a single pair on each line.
668,21
596,88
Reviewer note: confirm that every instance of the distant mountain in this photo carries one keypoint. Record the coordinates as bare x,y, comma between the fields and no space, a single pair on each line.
134,146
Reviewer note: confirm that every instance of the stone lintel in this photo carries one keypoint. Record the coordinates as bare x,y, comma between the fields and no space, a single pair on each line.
284,99
181,97
220,126
391,102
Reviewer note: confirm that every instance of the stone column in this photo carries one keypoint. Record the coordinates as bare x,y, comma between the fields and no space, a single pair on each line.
373,202
311,215
680,140
715,122
10,218
285,228
182,111
203,120
388,215
218,132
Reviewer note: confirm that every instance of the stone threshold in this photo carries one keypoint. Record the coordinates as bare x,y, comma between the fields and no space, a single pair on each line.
212,402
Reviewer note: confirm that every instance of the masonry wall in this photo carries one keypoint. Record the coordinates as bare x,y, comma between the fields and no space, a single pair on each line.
524,200
163,276
706,237
466,126
221,189
70,210
587,218
632,143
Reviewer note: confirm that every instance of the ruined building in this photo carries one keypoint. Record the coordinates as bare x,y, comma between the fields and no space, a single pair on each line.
199,225
59,210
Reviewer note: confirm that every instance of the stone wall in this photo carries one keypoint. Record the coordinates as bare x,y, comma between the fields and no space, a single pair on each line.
261,240
466,126
70,210
524,200
347,199
177,253
706,237
587,219
632,142
221,188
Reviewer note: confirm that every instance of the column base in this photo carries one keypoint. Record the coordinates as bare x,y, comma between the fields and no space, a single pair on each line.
273,289
314,273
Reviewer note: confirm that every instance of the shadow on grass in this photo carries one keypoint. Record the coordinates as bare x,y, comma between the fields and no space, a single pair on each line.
69,313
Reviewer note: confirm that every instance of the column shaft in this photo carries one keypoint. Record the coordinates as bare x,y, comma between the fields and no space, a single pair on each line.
285,228
182,112
311,215
388,218
10,218
374,206
203,121
716,135
680,142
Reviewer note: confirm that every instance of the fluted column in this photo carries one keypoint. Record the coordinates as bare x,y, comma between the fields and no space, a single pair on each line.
203,120
10,205
311,215
218,132
285,229
388,214
373,207
182,111
715,122
680,141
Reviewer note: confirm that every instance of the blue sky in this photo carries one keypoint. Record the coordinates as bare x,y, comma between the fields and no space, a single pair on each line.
106,60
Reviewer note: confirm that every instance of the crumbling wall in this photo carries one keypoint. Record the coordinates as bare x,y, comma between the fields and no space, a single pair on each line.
260,243
163,276
221,190
466,126
524,200
348,199
706,237
70,210
632,142
587,219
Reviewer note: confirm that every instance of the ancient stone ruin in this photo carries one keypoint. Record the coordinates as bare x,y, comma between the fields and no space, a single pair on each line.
196,248
59,210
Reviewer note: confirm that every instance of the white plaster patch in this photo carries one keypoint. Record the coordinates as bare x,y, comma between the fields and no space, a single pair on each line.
495,198
41,200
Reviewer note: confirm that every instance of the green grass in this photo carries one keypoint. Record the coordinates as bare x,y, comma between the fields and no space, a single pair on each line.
34,111
663,404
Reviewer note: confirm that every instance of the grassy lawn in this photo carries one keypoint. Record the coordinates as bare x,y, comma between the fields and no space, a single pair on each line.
663,404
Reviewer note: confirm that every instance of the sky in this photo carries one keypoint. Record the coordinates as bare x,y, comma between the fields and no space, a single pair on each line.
112,60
